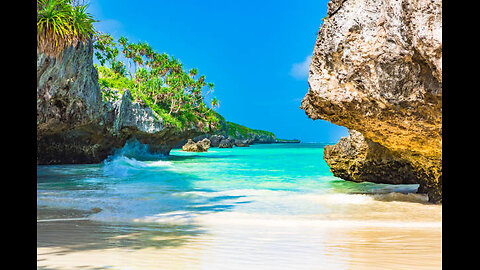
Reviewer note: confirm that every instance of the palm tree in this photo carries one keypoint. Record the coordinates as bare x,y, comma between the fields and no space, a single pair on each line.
161,82
193,72
123,41
60,24
210,87
215,102
129,54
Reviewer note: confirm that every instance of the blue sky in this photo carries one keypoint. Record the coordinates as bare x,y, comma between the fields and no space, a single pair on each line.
256,52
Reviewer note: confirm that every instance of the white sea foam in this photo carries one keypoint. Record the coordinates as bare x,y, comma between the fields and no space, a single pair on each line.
132,157
138,151
121,166
160,163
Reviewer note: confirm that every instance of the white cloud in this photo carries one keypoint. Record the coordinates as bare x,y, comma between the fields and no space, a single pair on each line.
300,70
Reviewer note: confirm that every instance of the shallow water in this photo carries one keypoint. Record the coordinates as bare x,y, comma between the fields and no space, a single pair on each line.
262,207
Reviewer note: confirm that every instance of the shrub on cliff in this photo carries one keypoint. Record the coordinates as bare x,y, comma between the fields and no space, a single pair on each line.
61,23
155,80
238,131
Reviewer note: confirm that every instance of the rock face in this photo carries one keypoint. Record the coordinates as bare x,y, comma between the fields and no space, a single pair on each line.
200,146
69,108
377,69
215,140
358,159
75,126
259,138
67,89
226,143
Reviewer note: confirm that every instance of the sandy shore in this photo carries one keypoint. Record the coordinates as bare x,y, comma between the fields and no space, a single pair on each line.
235,245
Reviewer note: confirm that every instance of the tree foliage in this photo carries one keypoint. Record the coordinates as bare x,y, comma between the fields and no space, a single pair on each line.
156,80
61,23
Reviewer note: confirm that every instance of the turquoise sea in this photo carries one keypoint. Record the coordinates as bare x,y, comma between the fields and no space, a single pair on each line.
272,206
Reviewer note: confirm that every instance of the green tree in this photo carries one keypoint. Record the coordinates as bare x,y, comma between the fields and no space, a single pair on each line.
158,81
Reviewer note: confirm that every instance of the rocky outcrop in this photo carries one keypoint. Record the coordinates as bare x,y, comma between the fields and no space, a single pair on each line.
377,69
256,138
226,143
69,108
358,159
74,125
67,89
220,141
215,140
243,143
200,146
233,134
128,120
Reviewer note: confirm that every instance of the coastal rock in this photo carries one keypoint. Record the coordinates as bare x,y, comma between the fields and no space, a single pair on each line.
377,69
128,120
200,146
128,115
358,159
233,131
69,108
239,139
67,89
74,126
226,143
263,139
243,143
215,140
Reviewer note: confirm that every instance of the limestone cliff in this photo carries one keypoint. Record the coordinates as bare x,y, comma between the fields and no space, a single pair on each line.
69,108
377,69
75,126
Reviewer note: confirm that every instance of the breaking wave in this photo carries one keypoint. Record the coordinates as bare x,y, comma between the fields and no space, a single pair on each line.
133,157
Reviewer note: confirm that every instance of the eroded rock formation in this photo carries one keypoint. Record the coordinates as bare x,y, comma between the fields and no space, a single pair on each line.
358,159
69,108
200,146
377,69
74,125
226,143
243,143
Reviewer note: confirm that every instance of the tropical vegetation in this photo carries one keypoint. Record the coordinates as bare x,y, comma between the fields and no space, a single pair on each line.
155,80
61,23
235,130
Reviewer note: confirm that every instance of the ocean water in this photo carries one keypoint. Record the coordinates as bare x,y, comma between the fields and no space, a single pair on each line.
274,206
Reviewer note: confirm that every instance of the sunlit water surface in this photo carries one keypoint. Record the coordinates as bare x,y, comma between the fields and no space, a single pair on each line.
261,207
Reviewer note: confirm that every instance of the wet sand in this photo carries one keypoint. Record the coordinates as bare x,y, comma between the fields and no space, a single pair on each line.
253,244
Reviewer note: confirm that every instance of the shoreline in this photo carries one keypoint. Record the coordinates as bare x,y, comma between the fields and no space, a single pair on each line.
360,247
244,208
